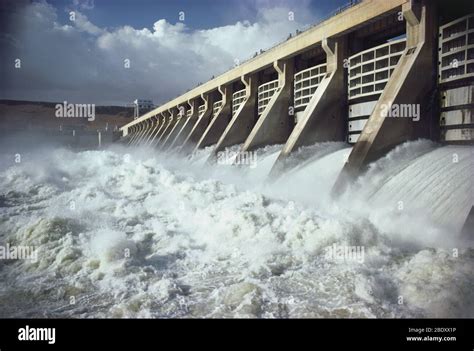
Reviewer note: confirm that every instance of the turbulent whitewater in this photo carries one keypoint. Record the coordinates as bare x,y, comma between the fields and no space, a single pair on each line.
129,233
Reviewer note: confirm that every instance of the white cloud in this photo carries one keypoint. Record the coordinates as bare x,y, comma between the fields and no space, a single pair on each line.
82,24
79,61
84,4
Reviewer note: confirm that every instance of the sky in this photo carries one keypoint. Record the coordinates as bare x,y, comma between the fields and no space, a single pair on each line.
110,52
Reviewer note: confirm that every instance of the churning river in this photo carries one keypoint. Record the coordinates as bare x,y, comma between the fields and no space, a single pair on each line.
125,232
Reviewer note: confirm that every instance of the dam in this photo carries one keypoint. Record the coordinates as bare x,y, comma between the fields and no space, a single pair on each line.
330,176
373,76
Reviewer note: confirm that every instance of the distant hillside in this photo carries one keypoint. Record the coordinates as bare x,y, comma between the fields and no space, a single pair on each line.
30,115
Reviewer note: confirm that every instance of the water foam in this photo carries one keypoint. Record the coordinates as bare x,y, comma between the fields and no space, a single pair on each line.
128,233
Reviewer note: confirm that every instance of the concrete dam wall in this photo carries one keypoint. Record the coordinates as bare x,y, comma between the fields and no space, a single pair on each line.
372,78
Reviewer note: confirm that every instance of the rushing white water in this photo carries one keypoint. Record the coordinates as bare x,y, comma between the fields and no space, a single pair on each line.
129,233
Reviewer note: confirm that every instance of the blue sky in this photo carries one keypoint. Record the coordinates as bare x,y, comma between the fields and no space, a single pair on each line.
201,14
82,60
